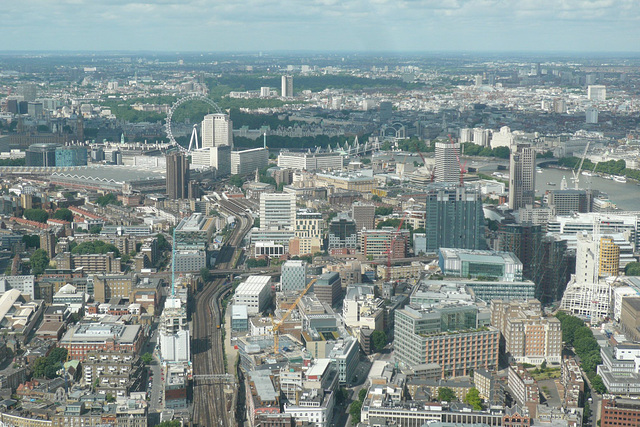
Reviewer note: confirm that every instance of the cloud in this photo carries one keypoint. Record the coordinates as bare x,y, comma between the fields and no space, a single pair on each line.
321,24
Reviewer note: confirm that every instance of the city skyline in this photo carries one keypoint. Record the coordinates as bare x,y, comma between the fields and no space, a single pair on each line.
323,25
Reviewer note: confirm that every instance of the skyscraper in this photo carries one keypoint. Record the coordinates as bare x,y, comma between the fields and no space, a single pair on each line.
174,332
454,217
177,176
447,167
522,176
287,86
216,130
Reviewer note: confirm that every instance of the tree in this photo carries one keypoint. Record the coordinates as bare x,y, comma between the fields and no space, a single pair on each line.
146,358
376,198
39,261
543,366
95,229
384,210
110,398
31,241
379,340
236,181
172,423
598,385
473,399
163,244
95,247
362,394
108,199
445,394
355,410
38,215
63,214
205,274
632,269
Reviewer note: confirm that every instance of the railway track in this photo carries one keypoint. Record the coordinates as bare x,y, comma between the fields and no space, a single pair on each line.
212,406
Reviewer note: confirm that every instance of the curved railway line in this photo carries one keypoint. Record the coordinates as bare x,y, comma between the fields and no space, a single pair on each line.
212,406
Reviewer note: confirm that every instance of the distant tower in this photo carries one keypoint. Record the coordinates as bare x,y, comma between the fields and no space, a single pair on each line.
447,167
177,176
287,86
522,176
80,128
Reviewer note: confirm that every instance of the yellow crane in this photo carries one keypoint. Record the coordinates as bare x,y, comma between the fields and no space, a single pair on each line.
276,326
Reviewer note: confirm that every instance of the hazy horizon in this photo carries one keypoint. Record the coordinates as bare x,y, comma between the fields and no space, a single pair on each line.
407,26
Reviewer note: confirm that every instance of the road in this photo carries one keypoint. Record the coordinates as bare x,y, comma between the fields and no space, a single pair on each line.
214,398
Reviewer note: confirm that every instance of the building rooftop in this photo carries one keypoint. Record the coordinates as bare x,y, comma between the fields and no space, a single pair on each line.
253,284
108,173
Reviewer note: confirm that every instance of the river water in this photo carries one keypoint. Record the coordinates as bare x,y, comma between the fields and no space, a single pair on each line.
626,196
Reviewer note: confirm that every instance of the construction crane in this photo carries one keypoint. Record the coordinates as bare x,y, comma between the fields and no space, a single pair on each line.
576,175
276,326
392,243
462,167
424,163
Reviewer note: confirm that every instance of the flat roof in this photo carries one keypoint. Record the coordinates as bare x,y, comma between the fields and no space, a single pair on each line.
319,368
253,285
239,311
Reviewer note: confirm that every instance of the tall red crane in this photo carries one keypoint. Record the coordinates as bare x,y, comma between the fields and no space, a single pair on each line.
462,167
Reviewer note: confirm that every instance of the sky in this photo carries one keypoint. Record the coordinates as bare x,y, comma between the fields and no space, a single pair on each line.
321,25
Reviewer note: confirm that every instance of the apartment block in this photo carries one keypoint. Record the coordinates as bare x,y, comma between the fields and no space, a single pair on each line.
529,337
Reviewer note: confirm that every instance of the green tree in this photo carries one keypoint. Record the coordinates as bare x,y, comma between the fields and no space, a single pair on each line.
632,269
108,199
163,243
379,340
95,247
63,214
362,394
110,398
172,423
376,198
473,399
355,411
38,215
31,241
236,180
39,261
146,358
445,394
95,229
597,384
205,274
384,210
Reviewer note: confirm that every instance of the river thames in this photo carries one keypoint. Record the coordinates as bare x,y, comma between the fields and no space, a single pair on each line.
626,196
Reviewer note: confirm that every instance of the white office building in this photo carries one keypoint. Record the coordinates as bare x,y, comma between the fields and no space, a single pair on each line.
217,130
255,293
277,211
447,166
218,158
591,115
246,162
597,92
265,92
287,86
503,138
293,275
466,135
309,161
174,337
25,284
481,137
